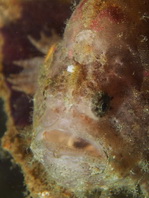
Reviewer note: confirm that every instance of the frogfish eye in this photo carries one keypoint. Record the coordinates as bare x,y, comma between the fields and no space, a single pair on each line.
100,104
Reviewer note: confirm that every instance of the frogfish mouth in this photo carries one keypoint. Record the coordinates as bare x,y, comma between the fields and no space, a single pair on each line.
91,109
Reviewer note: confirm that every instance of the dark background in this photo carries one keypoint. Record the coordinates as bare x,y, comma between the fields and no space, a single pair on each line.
11,178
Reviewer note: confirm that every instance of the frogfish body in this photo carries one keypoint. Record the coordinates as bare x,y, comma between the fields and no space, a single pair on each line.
91,113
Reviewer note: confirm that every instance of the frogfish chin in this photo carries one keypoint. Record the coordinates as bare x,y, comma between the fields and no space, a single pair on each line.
91,112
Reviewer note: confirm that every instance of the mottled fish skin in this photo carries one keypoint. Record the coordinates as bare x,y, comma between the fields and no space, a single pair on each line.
91,105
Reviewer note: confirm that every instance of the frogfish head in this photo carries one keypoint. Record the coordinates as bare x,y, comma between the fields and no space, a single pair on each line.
90,106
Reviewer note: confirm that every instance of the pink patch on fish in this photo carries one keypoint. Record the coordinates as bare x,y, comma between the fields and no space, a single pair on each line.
113,13
146,73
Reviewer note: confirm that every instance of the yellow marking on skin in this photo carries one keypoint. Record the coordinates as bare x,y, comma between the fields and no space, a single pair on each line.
50,52
73,80
49,59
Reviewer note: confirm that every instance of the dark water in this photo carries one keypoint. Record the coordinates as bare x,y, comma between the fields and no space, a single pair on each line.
11,178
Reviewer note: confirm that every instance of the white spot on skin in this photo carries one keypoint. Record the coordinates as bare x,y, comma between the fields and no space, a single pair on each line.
70,68
44,194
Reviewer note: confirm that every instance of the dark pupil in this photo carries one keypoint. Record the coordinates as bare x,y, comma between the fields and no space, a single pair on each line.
100,104
104,107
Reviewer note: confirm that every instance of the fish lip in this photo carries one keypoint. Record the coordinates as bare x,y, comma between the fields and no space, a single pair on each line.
69,144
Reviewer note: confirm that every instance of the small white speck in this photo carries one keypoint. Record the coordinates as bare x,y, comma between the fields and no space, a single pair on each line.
131,171
145,16
144,38
70,68
44,194
120,35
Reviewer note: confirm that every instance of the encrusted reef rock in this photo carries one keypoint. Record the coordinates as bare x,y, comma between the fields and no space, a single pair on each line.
90,131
